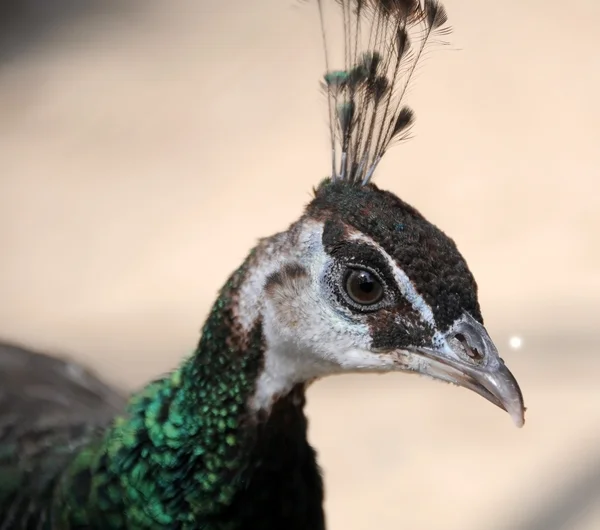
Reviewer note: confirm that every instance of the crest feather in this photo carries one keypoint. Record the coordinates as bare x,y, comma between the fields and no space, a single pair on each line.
383,41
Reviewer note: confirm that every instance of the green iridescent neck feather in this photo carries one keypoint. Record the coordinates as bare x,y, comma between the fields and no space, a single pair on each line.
179,454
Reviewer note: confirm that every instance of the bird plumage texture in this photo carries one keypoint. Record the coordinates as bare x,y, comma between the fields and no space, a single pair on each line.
49,410
362,282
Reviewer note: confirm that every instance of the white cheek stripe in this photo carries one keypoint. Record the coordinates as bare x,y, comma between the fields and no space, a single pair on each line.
274,254
405,285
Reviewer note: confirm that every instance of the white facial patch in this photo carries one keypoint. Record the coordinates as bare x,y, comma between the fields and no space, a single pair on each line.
306,336
272,260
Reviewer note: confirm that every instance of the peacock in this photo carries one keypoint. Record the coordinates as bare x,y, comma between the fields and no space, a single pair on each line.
360,283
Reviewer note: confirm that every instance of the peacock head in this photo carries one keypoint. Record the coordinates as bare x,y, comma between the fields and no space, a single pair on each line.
363,282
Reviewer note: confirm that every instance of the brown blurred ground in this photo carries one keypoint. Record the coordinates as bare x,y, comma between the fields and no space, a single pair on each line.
144,146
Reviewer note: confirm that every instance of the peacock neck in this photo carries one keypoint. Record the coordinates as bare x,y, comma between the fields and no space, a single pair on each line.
187,444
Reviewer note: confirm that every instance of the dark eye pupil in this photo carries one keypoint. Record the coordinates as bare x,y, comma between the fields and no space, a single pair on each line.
363,287
365,282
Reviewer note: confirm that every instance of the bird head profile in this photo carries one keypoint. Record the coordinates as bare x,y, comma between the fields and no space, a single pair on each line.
363,282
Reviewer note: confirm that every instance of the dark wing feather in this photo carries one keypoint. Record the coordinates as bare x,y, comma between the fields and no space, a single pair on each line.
49,408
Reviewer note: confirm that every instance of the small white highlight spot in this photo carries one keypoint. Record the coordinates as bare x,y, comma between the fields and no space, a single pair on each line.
515,342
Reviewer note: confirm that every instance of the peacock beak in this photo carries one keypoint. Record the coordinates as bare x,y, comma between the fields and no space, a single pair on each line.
466,356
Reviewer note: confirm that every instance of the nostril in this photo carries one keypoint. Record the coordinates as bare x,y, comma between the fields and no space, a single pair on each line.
471,352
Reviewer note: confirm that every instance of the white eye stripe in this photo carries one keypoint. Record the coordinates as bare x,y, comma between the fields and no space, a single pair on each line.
404,283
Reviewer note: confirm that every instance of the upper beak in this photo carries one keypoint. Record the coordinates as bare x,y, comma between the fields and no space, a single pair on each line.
466,356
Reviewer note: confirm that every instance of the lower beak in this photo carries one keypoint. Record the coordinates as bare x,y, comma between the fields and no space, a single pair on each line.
466,356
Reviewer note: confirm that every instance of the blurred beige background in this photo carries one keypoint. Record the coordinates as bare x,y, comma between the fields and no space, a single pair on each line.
145,146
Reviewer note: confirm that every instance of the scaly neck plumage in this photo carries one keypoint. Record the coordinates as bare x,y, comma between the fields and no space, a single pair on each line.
181,451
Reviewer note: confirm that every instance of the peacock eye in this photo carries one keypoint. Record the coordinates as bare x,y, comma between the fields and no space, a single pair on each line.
363,287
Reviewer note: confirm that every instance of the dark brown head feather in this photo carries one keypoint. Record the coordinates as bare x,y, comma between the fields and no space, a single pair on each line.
427,256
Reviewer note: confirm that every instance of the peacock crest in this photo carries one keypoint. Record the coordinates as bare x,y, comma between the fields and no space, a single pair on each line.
383,43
